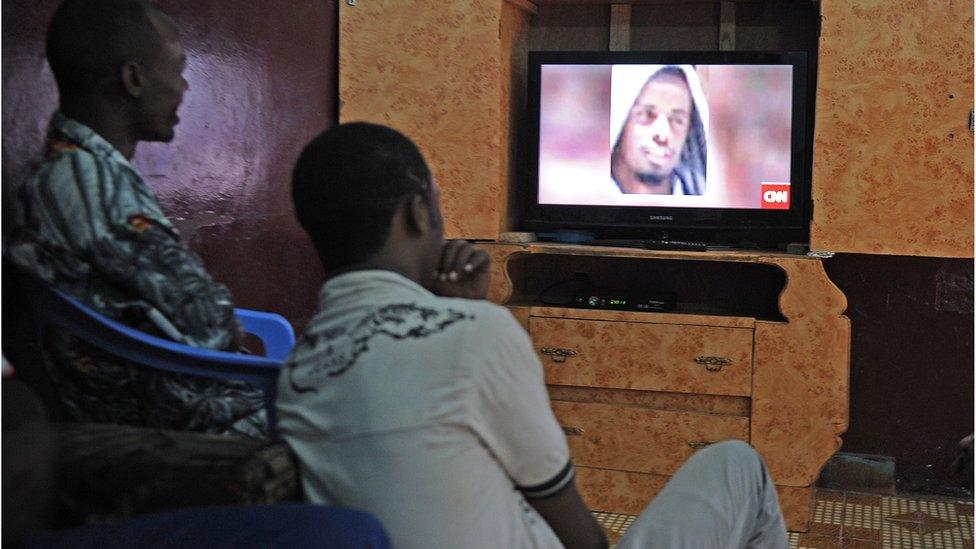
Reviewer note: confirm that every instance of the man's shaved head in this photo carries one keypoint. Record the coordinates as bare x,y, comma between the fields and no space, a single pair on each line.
89,40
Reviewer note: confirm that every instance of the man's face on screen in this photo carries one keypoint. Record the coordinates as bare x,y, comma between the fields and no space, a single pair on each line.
657,126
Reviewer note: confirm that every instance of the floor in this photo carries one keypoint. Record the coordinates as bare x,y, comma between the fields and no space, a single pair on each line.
852,520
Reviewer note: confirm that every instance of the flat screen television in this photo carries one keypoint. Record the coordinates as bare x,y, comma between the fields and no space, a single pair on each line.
699,146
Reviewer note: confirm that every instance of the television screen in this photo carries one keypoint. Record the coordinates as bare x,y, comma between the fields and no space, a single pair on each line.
664,135
637,138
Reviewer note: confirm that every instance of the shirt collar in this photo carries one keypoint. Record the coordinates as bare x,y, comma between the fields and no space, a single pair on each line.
86,138
368,280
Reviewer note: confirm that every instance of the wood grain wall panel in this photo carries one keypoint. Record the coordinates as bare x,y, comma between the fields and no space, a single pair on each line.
893,153
434,72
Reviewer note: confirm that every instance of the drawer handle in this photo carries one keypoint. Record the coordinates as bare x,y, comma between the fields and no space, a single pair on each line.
557,354
572,431
698,444
713,363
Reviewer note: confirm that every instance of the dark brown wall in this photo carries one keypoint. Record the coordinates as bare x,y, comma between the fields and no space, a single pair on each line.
911,363
262,83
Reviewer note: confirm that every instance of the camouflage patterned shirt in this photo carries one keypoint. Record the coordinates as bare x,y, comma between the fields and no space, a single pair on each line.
88,224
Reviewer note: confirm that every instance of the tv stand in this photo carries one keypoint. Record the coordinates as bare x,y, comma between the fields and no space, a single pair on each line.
756,349
588,239
662,242
685,245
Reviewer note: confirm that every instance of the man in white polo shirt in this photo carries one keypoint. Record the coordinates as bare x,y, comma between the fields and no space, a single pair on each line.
411,397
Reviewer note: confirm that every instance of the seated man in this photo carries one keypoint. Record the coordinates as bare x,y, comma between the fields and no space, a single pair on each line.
88,224
411,397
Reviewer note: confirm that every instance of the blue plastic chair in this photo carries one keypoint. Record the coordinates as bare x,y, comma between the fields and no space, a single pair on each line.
54,308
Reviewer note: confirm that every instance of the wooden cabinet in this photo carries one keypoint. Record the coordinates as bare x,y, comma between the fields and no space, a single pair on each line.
637,392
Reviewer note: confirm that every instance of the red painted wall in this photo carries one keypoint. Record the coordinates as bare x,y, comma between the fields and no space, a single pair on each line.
262,81
911,364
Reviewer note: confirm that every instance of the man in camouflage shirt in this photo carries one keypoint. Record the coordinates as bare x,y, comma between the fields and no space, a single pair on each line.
88,224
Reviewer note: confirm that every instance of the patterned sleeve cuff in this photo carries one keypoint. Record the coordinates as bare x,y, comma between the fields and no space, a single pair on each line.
551,486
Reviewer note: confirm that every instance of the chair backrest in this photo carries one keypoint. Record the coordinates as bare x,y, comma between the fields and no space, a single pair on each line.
54,308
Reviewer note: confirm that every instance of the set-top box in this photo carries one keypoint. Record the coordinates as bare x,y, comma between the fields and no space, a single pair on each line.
625,301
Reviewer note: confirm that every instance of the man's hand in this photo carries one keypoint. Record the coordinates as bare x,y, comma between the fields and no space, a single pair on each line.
463,271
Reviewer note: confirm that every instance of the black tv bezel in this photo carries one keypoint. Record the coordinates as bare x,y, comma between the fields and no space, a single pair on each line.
770,228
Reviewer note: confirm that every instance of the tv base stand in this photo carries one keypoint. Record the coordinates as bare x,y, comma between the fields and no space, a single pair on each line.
757,350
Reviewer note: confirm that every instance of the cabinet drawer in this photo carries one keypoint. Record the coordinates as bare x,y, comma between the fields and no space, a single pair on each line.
655,357
618,491
640,440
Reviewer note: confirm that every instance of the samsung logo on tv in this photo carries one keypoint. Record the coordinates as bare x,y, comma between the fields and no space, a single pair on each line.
660,218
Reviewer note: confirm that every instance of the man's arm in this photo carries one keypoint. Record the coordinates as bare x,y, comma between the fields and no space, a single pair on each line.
569,518
513,417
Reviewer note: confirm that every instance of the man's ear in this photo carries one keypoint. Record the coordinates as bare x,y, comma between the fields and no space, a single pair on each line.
133,78
417,214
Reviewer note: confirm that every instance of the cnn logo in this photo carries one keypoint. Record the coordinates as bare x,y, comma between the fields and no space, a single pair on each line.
775,196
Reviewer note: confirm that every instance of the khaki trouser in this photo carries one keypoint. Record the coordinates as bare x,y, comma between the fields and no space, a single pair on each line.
722,497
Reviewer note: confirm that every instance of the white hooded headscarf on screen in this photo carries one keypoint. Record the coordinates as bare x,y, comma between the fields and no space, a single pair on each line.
627,82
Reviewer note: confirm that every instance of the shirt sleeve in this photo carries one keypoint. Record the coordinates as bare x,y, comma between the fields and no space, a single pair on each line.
511,411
